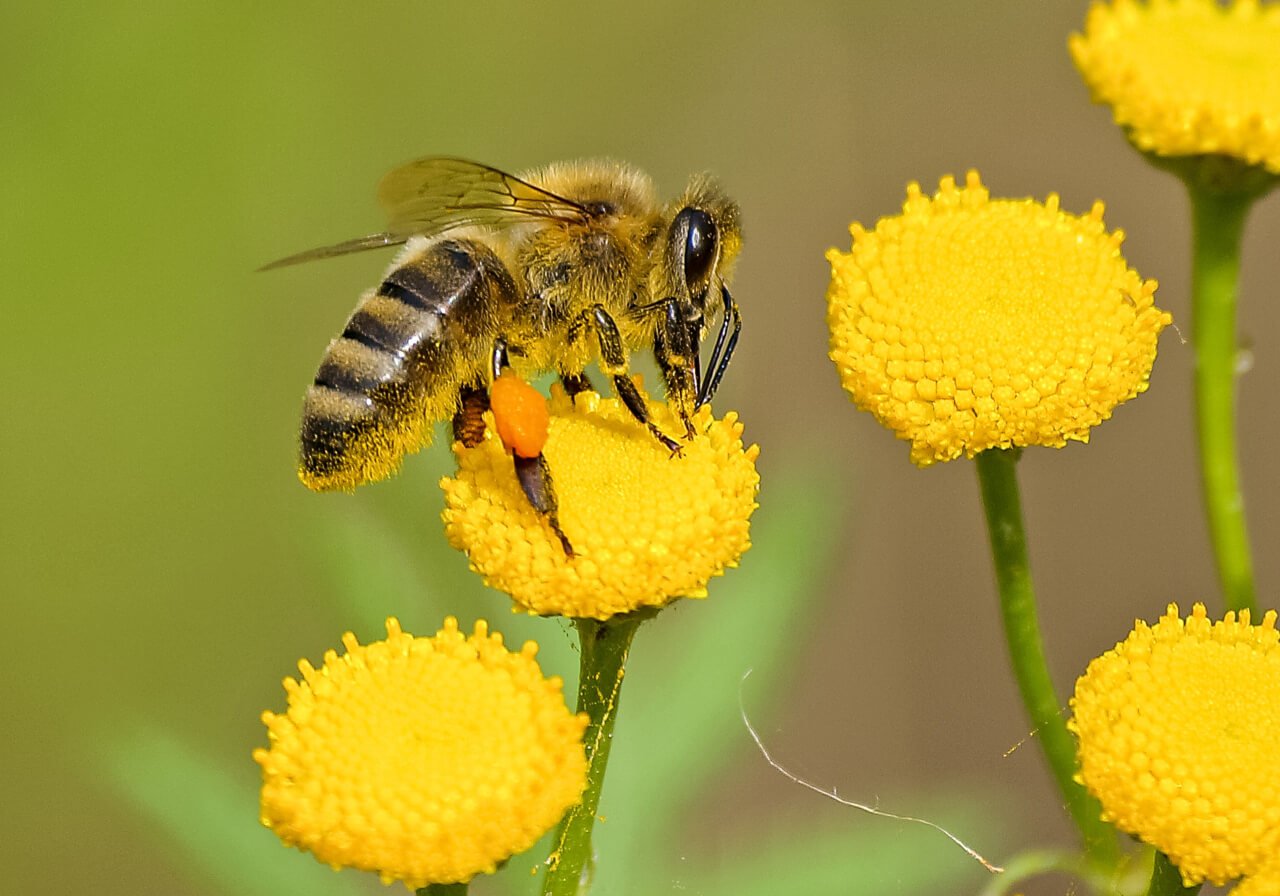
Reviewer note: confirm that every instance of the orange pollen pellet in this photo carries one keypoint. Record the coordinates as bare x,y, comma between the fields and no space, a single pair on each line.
520,414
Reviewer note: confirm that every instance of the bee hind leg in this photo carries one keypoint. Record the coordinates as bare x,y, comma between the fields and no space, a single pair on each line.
532,471
468,420
534,475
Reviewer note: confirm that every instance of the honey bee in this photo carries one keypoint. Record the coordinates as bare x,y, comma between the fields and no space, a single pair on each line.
547,271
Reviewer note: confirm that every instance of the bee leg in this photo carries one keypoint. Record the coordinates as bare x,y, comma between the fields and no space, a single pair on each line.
500,360
613,360
575,383
674,350
534,475
468,420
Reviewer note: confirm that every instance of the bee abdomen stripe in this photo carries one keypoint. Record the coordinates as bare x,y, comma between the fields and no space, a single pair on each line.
392,325
323,401
415,288
355,366
370,333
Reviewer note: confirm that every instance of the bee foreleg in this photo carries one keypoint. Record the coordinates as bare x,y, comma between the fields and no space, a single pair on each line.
535,481
674,350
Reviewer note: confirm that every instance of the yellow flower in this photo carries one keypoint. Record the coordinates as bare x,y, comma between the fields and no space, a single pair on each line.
967,323
1188,77
646,527
427,760
1179,729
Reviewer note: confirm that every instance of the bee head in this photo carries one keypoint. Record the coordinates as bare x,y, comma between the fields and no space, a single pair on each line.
702,244
703,234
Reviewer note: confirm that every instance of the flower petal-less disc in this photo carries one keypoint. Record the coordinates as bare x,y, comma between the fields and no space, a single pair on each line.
968,323
647,527
1179,730
427,760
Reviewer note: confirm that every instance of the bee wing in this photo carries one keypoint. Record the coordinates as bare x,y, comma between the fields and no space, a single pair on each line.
432,195
359,244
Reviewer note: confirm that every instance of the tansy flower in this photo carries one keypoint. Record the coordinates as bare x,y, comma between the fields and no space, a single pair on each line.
646,527
1179,729
1188,77
427,760
967,323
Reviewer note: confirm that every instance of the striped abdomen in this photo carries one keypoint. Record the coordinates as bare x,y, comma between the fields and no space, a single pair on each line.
400,362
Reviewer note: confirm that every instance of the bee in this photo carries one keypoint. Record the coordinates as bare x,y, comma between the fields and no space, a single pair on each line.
548,271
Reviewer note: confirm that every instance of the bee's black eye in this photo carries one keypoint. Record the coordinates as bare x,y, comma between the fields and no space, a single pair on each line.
699,248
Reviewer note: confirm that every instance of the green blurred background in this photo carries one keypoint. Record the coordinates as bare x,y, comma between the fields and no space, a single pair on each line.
162,568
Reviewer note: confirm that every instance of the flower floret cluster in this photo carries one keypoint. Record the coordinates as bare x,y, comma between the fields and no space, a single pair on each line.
1179,734
427,760
647,526
1188,77
967,323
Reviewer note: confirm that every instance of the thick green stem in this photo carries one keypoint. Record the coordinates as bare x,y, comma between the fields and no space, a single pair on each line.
1166,879
1217,231
997,475
605,646
444,890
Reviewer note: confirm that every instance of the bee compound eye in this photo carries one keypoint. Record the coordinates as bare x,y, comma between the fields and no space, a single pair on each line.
699,249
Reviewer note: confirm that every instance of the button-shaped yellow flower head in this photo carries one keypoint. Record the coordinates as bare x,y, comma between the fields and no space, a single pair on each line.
427,760
967,323
647,527
1179,729
1188,77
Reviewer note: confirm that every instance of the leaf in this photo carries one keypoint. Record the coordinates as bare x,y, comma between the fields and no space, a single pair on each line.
860,855
210,815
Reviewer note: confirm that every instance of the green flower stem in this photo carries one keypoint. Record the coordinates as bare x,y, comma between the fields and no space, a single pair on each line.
1217,230
997,476
444,890
605,646
1166,879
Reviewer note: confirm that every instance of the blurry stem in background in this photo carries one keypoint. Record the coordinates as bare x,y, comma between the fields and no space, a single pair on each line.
444,890
1032,863
1166,879
997,476
1217,231
605,646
